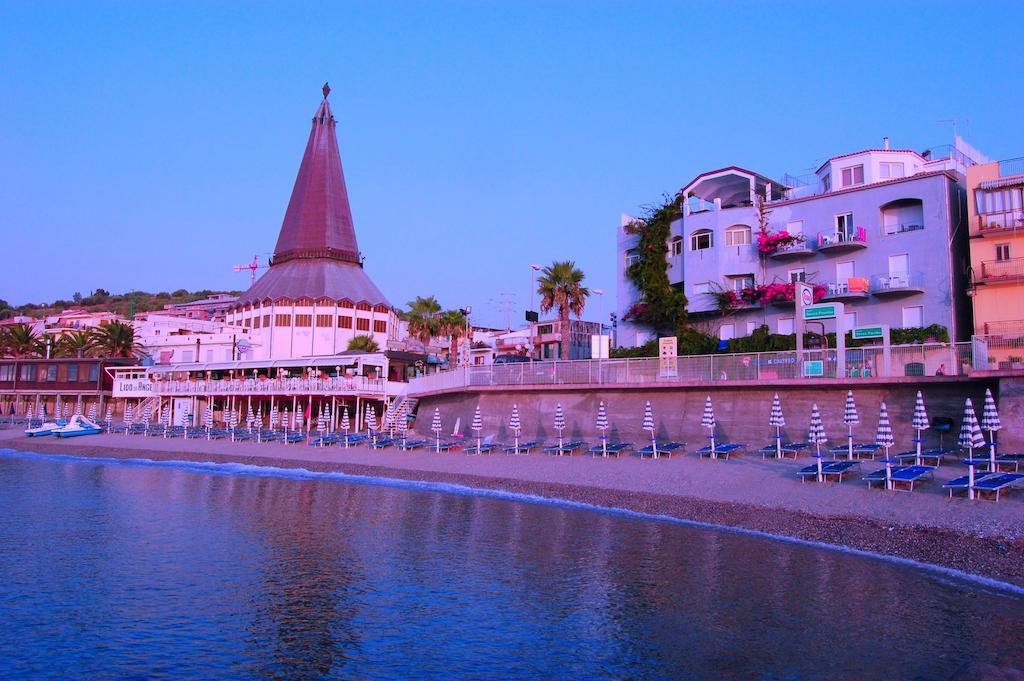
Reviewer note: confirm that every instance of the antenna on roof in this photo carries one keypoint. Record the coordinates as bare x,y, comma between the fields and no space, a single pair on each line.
327,90
252,267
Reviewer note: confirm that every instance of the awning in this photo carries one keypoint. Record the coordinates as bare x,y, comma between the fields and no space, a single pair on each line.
1003,182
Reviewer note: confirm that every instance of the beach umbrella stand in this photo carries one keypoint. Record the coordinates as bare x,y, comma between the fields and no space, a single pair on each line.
707,420
559,425
990,422
777,421
648,425
920,424
435,426
477,427
816,435
516,427
602,425
850,418
883,438
970,439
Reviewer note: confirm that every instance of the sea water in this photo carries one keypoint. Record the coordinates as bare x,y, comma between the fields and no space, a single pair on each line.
154,570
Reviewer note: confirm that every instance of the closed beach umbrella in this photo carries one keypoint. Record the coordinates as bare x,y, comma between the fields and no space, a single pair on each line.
402,420
110,415
389,417
298,419
250,418
208,420
477,426
920,423
129,413
850,418
707,420
93,412
648,425
602,425
28,413
371,422
147,414
321,424
515,426
883,438
78,409
284,419
816,436
776,420
559,424
990,422
970,439
345,424
435,425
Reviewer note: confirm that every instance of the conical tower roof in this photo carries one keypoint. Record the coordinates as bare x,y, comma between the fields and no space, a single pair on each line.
317,255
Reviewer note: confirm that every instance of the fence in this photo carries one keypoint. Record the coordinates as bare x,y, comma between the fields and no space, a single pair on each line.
277,386
904,360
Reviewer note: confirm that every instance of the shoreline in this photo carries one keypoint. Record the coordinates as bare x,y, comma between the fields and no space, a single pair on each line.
998,556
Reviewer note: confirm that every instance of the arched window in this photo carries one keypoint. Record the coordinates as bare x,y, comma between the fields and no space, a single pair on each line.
675,245
902,215
737,235
701,240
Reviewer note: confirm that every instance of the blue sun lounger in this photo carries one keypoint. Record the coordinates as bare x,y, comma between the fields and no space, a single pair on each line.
565,448
723,449
960,484
788,449
613,449
527,446
382,443
835,469
664,449
293,437
446,446
997,482
411,444
1015,460
901,475
484,448
929,457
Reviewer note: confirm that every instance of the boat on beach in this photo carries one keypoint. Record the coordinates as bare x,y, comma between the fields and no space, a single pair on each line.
46,428
79,425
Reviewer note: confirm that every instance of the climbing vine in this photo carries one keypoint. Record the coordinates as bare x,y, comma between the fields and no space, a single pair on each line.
660,307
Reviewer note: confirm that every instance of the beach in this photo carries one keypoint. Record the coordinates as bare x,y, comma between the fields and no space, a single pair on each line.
983,538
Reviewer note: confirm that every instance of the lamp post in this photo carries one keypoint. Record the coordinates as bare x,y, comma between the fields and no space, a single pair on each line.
600,317
533,283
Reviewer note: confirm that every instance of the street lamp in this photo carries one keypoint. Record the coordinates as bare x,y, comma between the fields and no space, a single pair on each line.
533,283
600,306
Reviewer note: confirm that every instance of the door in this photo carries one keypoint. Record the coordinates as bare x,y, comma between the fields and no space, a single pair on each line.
899,269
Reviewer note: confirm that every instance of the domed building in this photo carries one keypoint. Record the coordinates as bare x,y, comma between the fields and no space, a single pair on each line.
315,296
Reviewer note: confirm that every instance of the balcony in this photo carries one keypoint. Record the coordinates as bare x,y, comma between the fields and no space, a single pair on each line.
897,284
1001,271
852,289
842,241
800,249
998,224
1013,327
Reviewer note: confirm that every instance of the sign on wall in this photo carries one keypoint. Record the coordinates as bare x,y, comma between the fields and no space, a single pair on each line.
132,387
668,357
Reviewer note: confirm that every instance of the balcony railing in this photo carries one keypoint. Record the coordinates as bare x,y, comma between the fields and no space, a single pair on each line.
993,223
1002,270
842,240
902,228
897,282
1011,166
793,250
854,288
273,386
1013,327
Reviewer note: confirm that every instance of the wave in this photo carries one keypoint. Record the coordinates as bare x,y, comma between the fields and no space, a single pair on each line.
214,468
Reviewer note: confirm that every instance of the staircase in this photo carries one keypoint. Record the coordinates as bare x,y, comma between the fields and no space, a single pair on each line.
153,402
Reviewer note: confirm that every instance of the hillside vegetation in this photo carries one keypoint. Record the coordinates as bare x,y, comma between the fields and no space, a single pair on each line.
100,300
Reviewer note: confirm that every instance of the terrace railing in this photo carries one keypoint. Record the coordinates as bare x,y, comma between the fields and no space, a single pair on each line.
273,386
996,270
904,360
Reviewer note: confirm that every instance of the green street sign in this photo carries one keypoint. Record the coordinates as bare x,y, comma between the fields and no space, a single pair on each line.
865,332
815,367
820,312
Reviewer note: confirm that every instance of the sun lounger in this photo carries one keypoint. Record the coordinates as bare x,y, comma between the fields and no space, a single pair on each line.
447,446
721,450
411,444
612,448
527,446
835,469
1010,460
960,484
997,482
929,457
382,443
293,437
565,448
175,431
664,449
484,448
900,475
788,449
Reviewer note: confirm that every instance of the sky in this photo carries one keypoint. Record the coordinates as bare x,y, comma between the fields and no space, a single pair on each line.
153,146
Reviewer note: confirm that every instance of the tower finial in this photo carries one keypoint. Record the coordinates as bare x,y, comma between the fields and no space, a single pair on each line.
327,90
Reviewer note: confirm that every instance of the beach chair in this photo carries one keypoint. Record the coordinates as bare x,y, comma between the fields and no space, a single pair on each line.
960,484
996,483
1010,461
666,449
447,446
929,457
175,431
293,437
565,448
411,444
900,475
612,448
525,447
485,448
721,450
382,443
833,469
788,449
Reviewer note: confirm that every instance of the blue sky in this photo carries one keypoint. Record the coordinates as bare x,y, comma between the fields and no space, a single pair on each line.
154,145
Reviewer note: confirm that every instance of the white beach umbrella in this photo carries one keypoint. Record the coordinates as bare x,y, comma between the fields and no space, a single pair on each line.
515,426
920,423
129,413
147,413
345,424
250,418
78,408
707,420
559,424
284,420
299,420
816,436
208,420
435,425
109,419
990,422
850,418
321,424
371,421
402,420
93,412
602,425
776,420
970,438
883,438
648,425
477,426
389,417
28,413
275,417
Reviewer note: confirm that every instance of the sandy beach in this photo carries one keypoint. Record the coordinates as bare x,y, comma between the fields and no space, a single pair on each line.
978,537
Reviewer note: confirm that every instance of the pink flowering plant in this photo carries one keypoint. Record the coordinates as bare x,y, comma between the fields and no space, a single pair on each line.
761,294
768,242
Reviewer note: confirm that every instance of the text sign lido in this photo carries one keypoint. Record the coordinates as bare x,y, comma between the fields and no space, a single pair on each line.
132,387
865,332
820,312
814,367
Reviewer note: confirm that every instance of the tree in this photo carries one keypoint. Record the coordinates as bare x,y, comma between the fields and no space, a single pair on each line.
74,344
363,343
423,318
453,324
115,339
77,297
561,287
660,307
19,341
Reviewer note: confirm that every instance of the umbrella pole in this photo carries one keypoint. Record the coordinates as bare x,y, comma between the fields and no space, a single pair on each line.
918,447
517,444
849,443
604,446
714,454
778,442
817,455
970,476
559,443
992,450
478,443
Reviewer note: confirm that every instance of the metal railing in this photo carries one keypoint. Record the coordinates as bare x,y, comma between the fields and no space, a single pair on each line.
840,237
1013,327
994,270
1011,166
927,359
272,386
902,227
896,281
1001,221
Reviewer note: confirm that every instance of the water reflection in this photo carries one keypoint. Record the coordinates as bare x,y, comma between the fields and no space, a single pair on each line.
151,571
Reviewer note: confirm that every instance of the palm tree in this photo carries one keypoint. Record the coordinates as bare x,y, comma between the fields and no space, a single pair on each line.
115,339
561,286
423,318
453,325
19,341
363,343
75,344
